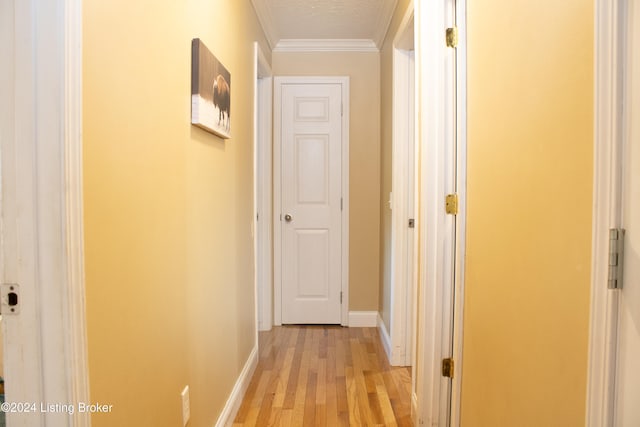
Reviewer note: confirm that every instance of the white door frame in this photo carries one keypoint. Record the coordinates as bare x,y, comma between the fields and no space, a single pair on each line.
403,277
461,218
42,232
262,148
442,170
277,193
608,133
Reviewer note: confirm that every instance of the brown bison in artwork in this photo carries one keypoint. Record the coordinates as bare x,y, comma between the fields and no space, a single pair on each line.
222,100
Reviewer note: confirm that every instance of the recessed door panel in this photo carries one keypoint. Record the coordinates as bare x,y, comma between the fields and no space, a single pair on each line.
313,269
312,109
312,168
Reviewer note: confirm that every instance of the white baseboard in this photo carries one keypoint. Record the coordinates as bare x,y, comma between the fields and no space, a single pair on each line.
384,336
363,319
237,394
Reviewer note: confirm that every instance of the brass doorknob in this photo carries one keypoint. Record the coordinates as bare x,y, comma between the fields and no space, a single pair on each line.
288,218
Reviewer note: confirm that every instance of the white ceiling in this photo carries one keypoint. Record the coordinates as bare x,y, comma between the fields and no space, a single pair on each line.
325,24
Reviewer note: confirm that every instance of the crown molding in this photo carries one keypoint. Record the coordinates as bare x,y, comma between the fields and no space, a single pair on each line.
266,21
384,20
326,45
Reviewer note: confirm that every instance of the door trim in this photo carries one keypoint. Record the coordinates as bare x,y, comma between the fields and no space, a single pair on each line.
609,73
277,199
442,170
461,218
402,277
75,319
42,171
262,125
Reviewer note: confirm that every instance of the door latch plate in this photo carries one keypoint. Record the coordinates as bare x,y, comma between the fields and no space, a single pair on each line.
9,298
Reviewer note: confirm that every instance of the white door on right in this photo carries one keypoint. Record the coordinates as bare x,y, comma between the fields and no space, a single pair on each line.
628,365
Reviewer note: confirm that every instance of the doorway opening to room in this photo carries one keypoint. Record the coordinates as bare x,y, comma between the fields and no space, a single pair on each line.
401,323
263,191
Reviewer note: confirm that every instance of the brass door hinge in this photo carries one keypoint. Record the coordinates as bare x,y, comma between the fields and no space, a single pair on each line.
616,257
451,204
447,368
452,37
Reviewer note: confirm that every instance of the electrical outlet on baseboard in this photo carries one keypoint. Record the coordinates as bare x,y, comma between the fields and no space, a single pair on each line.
186,409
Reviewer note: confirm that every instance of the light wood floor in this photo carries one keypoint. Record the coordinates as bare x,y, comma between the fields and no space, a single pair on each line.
325,376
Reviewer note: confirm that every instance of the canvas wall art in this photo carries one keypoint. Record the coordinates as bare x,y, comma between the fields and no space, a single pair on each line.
210,91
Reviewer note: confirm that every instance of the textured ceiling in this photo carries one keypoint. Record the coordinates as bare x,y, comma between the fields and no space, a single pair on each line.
325,19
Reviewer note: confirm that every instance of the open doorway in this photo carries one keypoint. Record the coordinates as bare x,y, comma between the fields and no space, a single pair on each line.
262,149
403,198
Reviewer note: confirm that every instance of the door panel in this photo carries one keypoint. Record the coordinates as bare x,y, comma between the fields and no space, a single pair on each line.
312,275
311,197
312,169
628,369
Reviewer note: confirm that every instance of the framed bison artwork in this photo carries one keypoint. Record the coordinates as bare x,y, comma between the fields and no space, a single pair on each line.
210,91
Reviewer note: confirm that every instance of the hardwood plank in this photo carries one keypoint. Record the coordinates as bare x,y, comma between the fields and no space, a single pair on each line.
301,390
254,410
275,417
360,385
321,390
294,373
388,416
325,376
343,402
352,398
285,418
310,401
331,397
283,377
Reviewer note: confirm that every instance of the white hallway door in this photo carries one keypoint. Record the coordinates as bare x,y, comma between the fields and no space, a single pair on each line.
311,199
41,257
628,366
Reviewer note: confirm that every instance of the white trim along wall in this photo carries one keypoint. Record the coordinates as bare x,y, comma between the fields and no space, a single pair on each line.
363,319
231,407
384,336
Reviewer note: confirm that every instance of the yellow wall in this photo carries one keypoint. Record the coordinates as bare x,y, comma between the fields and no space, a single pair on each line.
386,132
168,209
364,166
530,85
